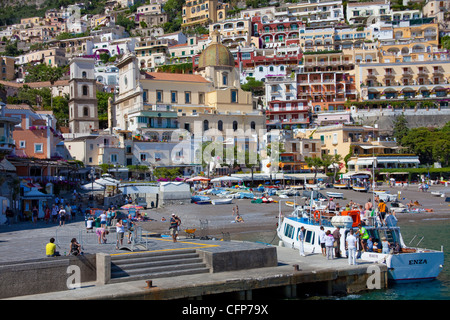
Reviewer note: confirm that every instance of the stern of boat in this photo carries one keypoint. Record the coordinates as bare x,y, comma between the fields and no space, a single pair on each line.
419,265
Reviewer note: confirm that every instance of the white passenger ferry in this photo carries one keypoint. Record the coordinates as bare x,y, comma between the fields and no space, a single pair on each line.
410,264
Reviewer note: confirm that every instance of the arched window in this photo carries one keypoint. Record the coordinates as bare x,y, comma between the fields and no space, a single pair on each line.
84,74
85,90
205,125
253,125
220,125
85,111
235,125
225,79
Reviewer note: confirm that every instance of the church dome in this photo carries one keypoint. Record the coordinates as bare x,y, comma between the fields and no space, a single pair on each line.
216,54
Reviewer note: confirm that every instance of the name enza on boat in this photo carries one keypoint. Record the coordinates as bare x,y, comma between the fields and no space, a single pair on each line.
418,261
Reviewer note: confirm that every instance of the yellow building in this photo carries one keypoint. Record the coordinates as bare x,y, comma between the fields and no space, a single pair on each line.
415,42
202,12
213,94
364,146
406,80
7,68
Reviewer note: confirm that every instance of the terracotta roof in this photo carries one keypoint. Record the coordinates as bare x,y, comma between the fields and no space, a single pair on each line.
179,77
34,84
179,45
362,4
17,106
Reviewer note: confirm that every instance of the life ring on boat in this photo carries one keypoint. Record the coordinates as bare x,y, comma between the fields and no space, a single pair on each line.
317,215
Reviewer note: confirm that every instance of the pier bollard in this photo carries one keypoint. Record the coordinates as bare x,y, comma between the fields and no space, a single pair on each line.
103,264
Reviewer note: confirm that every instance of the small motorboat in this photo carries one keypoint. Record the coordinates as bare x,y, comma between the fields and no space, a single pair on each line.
198,198
222,201
360,189
203,202
337,195
291,204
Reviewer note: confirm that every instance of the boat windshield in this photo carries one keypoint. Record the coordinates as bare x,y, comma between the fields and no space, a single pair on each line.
392,235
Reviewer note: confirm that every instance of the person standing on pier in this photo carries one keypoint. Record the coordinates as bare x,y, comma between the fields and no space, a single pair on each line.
329,241
301,239
351,248
322,240
337,241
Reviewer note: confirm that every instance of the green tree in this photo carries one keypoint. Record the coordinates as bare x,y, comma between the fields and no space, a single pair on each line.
61,110
419,141
400,128
316,163
254,86
44,72
125,22
445,42
102,107
166,173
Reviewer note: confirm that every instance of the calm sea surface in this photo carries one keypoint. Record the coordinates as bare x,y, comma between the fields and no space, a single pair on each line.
435,233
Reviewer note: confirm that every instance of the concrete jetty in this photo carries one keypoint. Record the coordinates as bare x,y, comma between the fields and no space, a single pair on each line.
240,270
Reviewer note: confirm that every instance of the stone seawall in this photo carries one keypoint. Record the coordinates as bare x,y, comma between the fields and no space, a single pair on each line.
385,118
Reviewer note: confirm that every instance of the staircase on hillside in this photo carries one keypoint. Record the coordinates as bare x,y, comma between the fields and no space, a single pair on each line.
151,265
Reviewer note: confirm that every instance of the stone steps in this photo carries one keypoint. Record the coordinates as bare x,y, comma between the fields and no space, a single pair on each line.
151,265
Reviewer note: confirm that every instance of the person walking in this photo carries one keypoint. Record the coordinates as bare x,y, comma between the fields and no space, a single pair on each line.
120,230
62,216
47,213
301,239
54,213
350,244
9,216
35,214
329,241
174,227
103,219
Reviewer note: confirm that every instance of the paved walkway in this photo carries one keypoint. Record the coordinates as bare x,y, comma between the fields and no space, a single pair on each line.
26,241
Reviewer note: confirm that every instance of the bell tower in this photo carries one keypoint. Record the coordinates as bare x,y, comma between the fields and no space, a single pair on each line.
83,110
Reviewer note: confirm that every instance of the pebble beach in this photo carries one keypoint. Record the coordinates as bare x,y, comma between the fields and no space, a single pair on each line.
264,216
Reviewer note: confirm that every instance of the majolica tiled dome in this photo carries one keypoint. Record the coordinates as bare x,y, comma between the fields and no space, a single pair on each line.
216,54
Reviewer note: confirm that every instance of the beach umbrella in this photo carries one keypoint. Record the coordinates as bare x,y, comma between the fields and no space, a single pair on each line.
132,206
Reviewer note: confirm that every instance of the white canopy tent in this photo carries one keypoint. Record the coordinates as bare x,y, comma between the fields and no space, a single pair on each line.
226,179
93,186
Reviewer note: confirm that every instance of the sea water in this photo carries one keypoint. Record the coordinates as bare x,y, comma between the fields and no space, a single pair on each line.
435,234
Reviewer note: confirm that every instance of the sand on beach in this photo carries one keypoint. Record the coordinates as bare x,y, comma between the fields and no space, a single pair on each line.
264,217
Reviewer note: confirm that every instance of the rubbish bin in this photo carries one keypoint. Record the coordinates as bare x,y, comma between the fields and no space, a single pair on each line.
97,222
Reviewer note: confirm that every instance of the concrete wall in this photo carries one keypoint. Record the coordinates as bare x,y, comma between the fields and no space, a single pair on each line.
239,260
43,275
416,118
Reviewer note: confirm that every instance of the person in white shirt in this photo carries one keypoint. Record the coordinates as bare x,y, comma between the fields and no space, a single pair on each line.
301,239
329,241
103,218
351,247
322,239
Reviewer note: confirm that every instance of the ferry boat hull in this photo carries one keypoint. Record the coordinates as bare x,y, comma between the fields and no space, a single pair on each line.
413,265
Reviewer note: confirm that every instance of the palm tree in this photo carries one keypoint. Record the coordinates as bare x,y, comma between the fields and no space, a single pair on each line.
335,162
314,162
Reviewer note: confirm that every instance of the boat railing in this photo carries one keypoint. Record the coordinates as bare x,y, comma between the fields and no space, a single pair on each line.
415,236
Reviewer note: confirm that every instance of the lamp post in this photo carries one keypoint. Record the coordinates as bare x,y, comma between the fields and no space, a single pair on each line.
92,181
